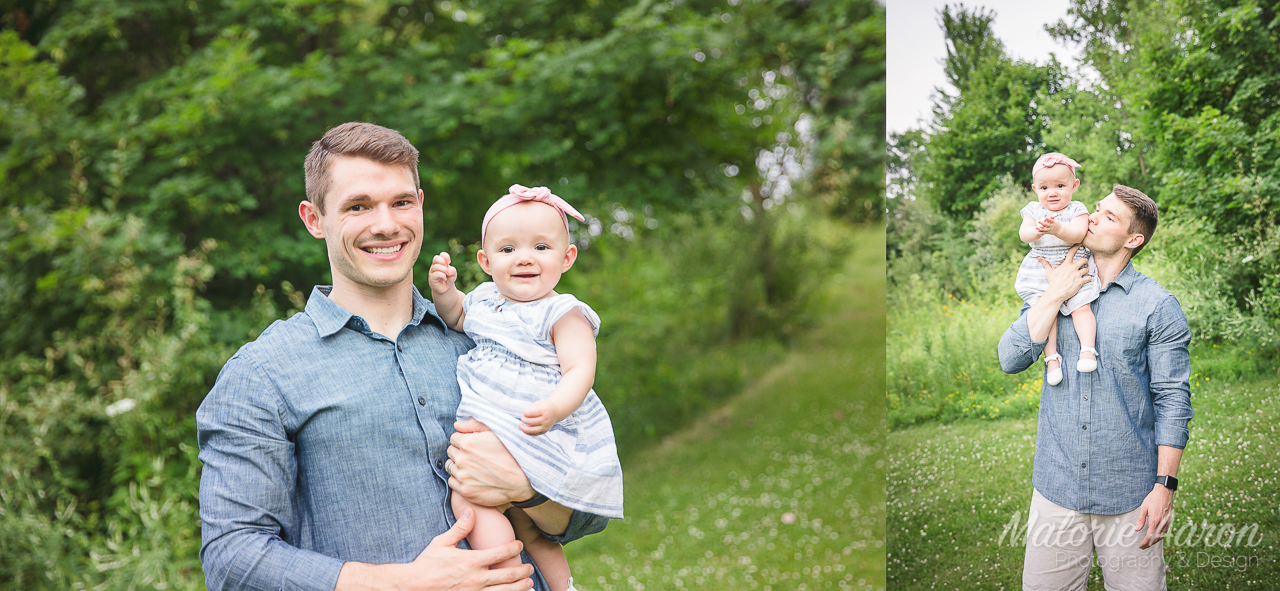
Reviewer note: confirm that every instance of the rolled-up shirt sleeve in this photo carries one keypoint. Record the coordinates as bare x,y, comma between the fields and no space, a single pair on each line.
1168,338
580,524
1017,350
247,487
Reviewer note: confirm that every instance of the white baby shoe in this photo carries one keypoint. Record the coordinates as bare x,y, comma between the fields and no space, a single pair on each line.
1087,365
1054,377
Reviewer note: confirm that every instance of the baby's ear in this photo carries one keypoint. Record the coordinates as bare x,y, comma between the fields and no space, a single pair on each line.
570,256
483,259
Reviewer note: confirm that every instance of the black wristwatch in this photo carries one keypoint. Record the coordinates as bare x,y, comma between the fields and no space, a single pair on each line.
1169,482
537,499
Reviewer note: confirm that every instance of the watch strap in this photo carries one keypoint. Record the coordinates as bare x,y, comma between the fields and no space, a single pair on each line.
1169,482
537,499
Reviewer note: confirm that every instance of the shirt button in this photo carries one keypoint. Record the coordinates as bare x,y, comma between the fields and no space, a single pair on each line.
399,348
1085,427
440,464
1086,398
422,401
1081,465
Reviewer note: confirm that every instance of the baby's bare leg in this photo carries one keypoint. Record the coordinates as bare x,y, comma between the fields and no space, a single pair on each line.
1087,327
1051,347
491,528
548,555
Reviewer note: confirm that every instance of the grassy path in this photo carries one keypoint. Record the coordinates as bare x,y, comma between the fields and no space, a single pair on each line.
954,489
781,488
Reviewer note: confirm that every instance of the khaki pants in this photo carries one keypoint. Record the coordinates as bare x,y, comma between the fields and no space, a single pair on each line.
1061,547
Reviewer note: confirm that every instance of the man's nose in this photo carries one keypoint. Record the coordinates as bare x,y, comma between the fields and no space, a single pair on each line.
384,221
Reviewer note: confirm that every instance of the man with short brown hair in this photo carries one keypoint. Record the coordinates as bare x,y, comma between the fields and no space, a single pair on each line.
1109,442
329,443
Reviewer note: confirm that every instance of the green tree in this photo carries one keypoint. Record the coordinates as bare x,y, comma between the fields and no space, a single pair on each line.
992,126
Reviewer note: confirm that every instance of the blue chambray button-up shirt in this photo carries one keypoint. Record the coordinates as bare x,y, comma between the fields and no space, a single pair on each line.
324,442
1096,443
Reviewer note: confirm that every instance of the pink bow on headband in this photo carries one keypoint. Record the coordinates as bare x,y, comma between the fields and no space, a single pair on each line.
1053,159
520,194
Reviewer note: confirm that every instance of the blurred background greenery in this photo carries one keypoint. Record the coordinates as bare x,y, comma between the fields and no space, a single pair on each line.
1177,99
151,165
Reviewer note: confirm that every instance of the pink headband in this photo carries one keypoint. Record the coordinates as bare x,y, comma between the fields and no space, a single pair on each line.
1052,159
519,194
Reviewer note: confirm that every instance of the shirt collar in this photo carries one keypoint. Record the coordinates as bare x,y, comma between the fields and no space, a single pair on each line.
1126,278
329,317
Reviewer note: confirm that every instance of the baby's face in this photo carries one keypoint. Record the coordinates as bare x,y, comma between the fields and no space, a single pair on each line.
526,249
1054,186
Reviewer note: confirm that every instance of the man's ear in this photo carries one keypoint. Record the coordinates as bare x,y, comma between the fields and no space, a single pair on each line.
310,215
1135,241
570,256
483,259
421,197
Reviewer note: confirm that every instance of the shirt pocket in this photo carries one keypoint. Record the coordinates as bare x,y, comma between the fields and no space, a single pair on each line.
1125,341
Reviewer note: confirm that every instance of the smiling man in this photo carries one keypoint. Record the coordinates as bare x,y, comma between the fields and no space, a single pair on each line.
1109,442
324,441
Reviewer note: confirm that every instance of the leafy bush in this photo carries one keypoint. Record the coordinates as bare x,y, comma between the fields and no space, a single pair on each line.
947,310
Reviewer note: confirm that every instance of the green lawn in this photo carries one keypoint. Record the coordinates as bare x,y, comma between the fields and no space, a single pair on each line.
782,487
953,490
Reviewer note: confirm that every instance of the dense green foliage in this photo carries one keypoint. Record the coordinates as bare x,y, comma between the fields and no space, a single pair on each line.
150,171
1180,106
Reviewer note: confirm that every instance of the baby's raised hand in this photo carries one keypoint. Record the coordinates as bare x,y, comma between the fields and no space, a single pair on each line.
1048,225
442,275
538,418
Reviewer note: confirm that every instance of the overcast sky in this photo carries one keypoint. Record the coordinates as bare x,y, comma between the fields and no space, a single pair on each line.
916,48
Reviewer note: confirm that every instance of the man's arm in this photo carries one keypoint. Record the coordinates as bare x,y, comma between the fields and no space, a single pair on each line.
1169,362
246,489
246,495
1064,281
485,473
1023,341
1158,506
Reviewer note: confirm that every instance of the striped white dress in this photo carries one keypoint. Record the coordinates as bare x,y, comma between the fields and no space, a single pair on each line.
1032,282
514,364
